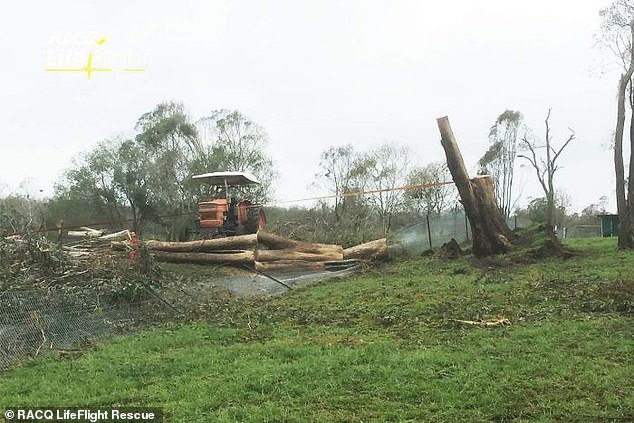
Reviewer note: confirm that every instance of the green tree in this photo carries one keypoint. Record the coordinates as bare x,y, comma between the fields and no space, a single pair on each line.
236,143
435,199
499,159
385,168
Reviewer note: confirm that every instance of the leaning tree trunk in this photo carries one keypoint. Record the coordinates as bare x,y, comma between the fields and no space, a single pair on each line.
490,233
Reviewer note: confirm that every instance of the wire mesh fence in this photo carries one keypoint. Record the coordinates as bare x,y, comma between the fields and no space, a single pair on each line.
433,231
33,321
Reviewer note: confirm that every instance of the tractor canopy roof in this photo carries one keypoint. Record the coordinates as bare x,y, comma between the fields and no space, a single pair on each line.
230,178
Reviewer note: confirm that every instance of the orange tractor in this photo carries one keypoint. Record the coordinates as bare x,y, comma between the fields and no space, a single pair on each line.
230,213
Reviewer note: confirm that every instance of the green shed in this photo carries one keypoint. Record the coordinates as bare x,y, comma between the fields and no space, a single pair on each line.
609,224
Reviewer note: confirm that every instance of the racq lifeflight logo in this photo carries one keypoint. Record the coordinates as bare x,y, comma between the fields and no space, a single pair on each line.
91,53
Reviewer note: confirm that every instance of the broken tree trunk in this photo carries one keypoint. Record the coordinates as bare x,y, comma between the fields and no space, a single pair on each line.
276,242
491,235
226,257
291,254
242,242
373,250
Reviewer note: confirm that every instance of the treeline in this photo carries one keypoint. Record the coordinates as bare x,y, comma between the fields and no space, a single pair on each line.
144,182
349,217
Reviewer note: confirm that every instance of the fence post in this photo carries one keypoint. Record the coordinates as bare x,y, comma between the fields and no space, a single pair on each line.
428,231
60,232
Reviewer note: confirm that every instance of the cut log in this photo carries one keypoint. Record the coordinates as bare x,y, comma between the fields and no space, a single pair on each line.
118,236
289,265
228,257
491,235
373,250
276,242
85,233
277,255
242,242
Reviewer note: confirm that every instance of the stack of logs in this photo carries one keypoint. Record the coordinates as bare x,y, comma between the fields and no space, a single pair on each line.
264,251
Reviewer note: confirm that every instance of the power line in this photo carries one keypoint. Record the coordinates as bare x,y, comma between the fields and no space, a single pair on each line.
167,216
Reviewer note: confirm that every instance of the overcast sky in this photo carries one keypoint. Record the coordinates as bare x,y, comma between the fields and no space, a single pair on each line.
313,74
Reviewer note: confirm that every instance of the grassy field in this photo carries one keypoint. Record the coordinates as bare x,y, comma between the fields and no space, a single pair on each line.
381,346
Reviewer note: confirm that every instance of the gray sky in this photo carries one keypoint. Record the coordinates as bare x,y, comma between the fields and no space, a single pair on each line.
313,74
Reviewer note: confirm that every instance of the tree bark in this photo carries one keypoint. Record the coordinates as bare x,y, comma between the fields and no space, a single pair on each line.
373,250
490,233
622,206
241,242
276,242
624,202
228,257
288,254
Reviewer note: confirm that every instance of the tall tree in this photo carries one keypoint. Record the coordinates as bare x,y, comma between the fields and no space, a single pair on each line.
387,167
499,159
169,141
618,35
238,144
543,158
340,171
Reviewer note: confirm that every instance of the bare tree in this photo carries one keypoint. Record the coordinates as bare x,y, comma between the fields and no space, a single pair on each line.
544,158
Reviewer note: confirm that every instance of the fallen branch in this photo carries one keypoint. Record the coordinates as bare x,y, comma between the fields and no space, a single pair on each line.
485,323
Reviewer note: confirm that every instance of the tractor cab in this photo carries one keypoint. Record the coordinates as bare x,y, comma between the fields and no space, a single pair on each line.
230,212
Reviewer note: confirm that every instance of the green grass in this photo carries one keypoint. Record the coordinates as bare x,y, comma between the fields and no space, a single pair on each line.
382,346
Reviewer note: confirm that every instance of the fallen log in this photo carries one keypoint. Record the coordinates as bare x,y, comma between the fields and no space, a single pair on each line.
276,242
92,233
241,242
373,250
118,236
226,257
289,265
277,255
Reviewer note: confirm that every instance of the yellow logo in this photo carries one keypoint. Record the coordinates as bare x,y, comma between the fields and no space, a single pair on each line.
89,68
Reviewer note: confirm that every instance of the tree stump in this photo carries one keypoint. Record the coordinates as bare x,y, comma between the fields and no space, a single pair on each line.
490,233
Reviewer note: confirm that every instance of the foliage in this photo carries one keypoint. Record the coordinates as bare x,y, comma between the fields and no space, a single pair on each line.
432,200
346,172
149,177
382,346
20,212
35,263
499,159
387,167
238,144
537,210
